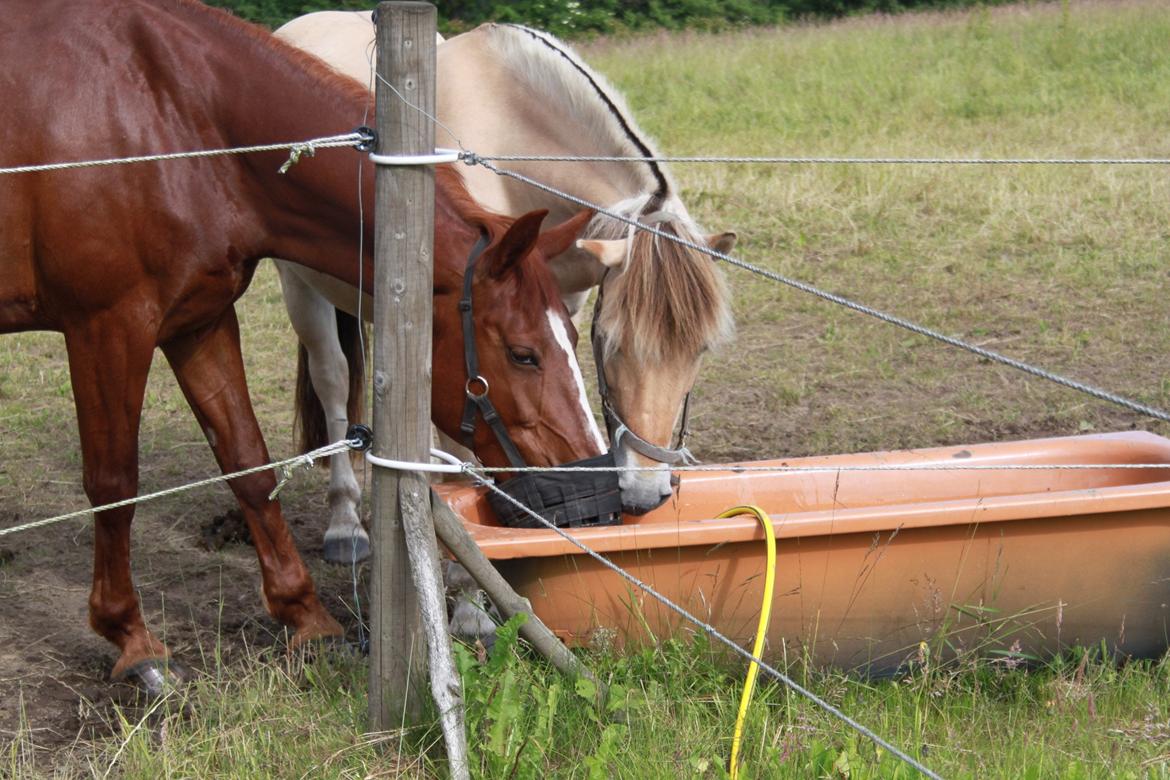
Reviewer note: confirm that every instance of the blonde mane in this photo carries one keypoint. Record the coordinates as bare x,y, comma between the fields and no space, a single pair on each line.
670,300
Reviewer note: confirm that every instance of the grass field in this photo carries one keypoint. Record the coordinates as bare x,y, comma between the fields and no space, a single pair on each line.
1063,266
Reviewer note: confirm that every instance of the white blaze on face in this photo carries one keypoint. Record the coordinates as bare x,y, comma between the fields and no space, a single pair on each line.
562,336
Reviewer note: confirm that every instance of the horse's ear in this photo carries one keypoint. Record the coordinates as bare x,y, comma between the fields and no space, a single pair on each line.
609,253
555,241
517,241
722,242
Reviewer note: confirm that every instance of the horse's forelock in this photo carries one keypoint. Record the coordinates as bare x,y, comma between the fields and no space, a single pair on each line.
670,300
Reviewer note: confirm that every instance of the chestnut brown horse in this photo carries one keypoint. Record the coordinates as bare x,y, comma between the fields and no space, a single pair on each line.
125,258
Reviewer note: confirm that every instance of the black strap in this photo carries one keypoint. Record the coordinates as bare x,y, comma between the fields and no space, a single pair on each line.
477,400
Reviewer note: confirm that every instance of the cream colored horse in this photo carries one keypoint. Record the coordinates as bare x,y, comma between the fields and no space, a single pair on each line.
505,89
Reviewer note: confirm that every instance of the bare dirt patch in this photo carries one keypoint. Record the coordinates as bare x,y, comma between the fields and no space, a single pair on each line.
54,672
197,576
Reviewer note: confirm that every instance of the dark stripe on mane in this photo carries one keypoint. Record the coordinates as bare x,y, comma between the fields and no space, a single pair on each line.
663,188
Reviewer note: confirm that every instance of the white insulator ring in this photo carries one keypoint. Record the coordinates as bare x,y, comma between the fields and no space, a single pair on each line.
440,156
452,466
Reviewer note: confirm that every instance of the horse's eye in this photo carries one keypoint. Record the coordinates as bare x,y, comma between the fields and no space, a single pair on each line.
522,356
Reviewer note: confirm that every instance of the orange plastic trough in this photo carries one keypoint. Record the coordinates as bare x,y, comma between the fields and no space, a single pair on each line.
871,563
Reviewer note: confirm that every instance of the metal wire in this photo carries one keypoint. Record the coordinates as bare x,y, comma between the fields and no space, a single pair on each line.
746,469
832,160
297,148
714,632
473,159
287,467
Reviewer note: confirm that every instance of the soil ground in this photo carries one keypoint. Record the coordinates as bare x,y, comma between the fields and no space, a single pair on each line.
198,581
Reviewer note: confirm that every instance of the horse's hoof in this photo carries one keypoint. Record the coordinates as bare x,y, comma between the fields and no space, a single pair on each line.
347,550
156,676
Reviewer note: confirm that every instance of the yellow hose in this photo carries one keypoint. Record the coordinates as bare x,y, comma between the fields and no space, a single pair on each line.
765,613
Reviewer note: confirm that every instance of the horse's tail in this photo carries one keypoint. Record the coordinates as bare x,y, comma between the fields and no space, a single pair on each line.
309,423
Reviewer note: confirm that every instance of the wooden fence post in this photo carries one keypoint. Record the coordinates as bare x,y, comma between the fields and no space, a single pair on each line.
406,580
403,243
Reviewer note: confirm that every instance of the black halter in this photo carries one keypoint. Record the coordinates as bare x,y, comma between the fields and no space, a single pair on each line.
564,498
479,400
617,429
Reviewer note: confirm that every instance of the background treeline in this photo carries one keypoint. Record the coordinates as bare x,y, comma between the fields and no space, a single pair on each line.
570,18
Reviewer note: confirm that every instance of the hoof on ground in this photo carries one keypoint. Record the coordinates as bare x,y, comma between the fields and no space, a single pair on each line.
156,676
347,549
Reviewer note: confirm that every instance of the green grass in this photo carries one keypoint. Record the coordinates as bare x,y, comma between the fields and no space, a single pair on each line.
1062,266
670,714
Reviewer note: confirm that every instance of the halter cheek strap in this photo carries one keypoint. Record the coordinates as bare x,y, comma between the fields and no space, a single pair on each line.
620,432
476,390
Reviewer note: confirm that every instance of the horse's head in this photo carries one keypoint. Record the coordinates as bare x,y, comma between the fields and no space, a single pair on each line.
663,305
524,344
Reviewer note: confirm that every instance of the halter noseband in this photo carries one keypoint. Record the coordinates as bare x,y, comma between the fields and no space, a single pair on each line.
479,401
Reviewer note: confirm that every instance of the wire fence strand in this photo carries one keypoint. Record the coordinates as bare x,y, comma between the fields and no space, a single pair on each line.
1135,406
298,148
830,160
719,636
286,468
736,468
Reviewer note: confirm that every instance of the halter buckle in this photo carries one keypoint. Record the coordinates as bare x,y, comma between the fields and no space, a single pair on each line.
471,393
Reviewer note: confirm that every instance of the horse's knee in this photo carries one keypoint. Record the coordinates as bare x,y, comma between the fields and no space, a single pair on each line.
330,374
104,484
253,491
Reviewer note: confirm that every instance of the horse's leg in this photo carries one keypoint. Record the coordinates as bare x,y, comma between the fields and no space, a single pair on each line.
314,320
210,371
108,364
